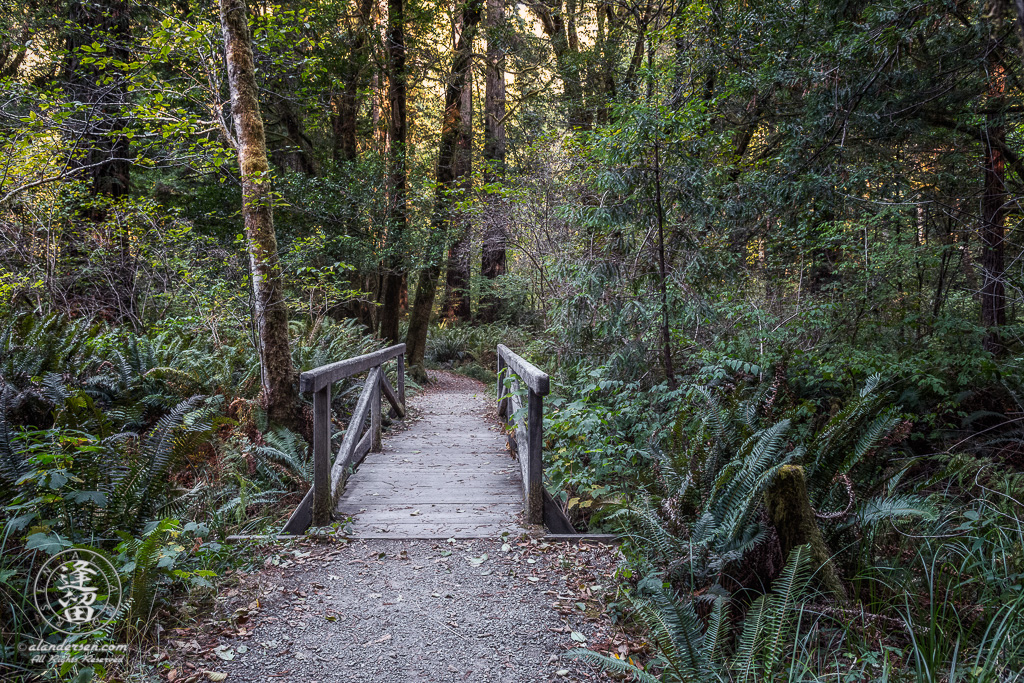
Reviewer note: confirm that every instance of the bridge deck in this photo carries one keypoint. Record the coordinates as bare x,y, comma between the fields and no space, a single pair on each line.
448,474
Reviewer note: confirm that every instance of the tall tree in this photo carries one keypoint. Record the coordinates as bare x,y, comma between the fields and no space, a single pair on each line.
993,213
355,78
565,45
101,92
278,376
391,296
446,189
457,274
493,260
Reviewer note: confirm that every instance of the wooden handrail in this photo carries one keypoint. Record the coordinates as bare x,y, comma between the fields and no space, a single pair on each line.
318,378
317,506
529,433
530,373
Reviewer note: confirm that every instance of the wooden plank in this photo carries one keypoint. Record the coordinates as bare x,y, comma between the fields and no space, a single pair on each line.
606,539
555,520
428,517
302,517
322,500
531,374
429,531
420,497
401,379
375,445
347,452
533,481
316,379
436,478
389,394
502,402
435,508
395,491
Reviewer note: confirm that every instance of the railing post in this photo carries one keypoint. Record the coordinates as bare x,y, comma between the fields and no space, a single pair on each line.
322,502
502,401
401,378
375,438
535,454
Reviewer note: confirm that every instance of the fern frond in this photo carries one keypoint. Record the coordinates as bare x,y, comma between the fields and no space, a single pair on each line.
613,664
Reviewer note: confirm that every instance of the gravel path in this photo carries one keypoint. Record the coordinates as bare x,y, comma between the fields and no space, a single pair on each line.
503,609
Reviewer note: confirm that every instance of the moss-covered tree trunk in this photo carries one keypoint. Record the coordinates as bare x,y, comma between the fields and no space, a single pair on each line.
270,317
444,195
790,511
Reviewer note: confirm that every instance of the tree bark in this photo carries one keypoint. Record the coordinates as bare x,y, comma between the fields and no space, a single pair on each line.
793,518
993,214
493,261
108,150
445,192
457,303
98,127
279,391
354,79
397,132
551,16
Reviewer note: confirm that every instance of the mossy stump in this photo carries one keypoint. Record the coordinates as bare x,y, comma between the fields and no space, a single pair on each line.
790,511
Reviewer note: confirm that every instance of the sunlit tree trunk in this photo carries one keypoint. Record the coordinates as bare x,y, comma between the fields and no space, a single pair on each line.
391,295
444,194
493,261
279,391
563,38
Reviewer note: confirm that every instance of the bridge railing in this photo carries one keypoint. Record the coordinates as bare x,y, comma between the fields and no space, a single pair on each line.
527,437
329,479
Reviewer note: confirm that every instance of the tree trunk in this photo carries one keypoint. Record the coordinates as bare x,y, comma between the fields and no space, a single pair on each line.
993,213
297,153
102,95
395,263
354,77
493,258
108,152
445,193
790,511
552,20
278,376
457,304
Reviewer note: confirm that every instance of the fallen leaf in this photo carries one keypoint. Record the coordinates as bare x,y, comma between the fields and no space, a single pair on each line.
216,676
224,652
578,637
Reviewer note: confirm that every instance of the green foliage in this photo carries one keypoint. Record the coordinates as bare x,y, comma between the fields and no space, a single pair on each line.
689,652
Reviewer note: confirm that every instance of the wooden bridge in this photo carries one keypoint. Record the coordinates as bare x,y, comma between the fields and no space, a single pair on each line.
447,474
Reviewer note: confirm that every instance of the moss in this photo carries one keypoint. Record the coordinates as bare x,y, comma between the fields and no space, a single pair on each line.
790,511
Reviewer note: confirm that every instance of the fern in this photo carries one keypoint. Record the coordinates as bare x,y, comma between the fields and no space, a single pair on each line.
144,571
691,653
856,430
